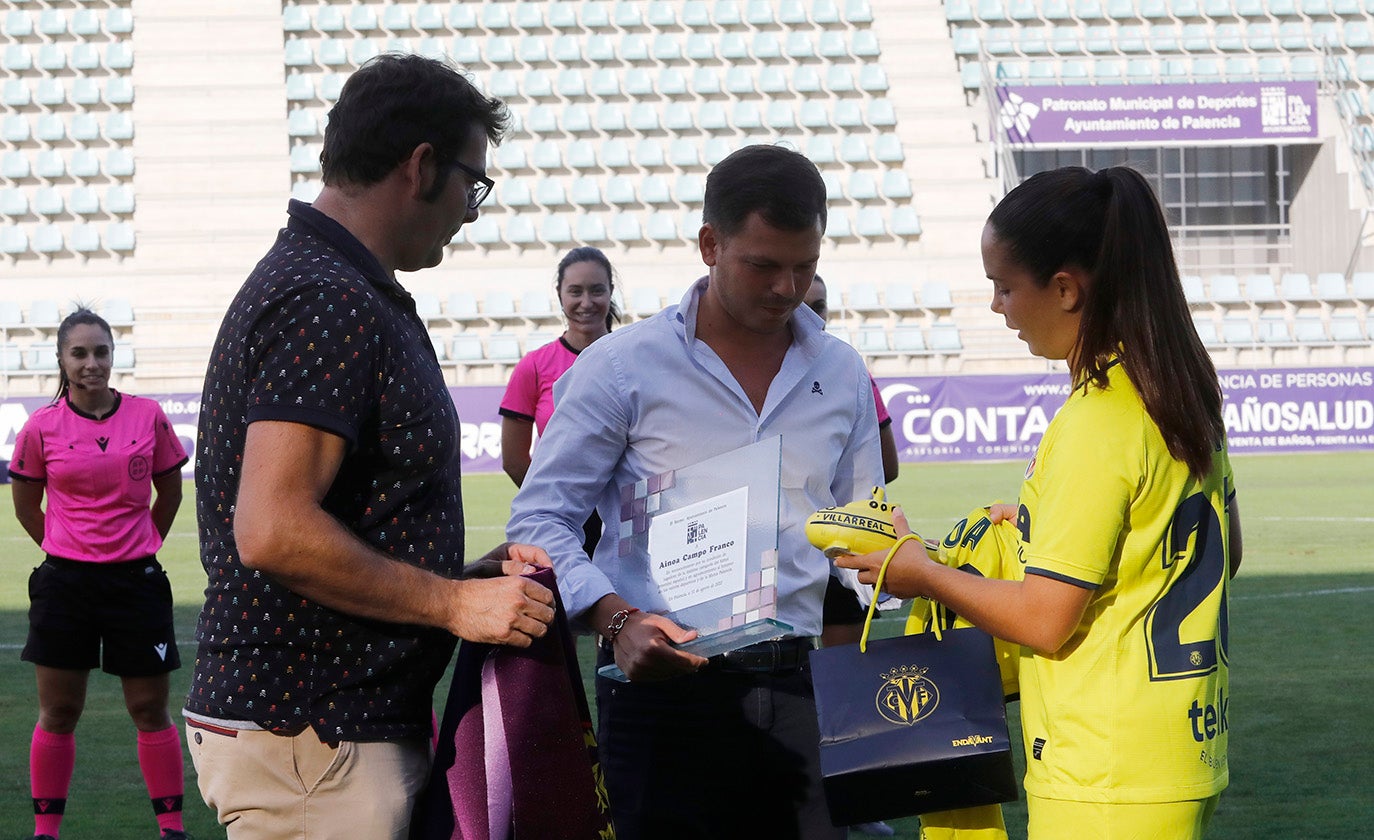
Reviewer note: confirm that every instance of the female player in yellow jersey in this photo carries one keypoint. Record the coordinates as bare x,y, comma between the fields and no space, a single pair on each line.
1128,521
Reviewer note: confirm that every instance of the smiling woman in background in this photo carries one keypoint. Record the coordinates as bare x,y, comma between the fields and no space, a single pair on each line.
99,598
584,282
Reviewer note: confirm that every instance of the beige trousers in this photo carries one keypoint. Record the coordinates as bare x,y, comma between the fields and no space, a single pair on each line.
279,787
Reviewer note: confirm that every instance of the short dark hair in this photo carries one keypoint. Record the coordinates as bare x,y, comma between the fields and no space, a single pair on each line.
592,254
395,102
1109,224
774,181
81,315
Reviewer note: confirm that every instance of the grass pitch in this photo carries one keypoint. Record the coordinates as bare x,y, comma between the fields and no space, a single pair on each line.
1300,641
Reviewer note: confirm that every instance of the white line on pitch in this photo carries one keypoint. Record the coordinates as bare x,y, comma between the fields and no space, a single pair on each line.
1348,590
1315,518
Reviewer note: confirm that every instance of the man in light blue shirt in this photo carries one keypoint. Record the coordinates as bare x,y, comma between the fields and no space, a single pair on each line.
692,748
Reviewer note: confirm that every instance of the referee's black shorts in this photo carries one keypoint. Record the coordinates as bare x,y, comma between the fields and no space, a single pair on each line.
116,616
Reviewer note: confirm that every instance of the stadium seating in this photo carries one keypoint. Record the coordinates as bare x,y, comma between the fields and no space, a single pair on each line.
626,72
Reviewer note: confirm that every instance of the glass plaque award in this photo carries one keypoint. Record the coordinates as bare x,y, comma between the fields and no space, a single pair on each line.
706,537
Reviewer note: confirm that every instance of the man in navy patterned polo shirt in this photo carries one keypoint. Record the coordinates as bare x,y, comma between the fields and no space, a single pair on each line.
327,483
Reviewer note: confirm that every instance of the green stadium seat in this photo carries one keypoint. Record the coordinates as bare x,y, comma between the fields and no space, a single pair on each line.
519,230
831,44
307,190
683,153
119,55
16,93
869,223
85,57
1261,36
119,90
13,202
717,149
13,240
52,22
85,238
591,228
85,163
870,340
1123,10
864,44
466,349
305,159
1238,68
990,11
529,16
1196,38
605,83
908,338
904,222
944,338
119,200
1346,329
1207,331
615,154
50,164
298,53
567,49
733,47
18,58
395,18
838,226
548,193
329,19
295,18
625,228
773,80
48,201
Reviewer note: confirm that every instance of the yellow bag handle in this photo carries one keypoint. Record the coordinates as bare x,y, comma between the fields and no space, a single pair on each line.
878,588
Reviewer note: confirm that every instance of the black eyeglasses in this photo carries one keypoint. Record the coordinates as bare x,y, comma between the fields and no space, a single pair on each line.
481,185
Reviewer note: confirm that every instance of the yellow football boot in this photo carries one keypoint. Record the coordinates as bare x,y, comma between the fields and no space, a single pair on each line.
860,527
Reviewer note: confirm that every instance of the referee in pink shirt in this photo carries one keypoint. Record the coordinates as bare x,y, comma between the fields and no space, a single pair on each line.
585,281
99,598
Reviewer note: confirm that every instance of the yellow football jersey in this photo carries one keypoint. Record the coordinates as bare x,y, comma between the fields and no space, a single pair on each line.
1133,708
976,546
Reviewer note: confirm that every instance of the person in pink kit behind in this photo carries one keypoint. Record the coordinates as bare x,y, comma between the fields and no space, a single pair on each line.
585,281
99,597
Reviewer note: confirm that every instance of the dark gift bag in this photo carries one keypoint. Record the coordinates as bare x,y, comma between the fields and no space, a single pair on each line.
516,758
915,724
911,725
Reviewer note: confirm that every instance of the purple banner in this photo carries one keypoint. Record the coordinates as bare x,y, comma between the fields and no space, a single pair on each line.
988,418
1038,116
959,418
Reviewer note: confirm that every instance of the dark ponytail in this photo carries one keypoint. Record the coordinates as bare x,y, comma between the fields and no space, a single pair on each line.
1110,224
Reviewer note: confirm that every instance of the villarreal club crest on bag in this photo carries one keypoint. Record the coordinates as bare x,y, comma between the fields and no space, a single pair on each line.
910,724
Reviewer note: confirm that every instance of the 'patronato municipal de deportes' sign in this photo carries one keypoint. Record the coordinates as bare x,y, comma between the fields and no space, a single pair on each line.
1046,116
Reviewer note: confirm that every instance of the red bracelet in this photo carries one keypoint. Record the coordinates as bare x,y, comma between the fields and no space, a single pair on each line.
618,622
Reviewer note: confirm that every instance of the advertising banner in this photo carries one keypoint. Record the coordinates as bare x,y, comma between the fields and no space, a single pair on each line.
957,418
988,418
1048,116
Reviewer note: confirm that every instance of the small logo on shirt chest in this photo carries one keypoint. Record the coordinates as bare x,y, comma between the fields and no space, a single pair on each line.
102,442
816,388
